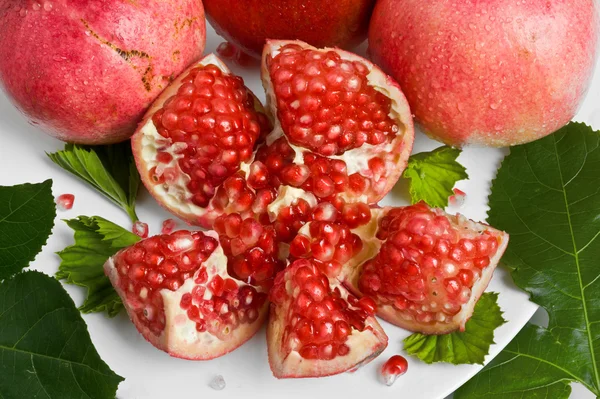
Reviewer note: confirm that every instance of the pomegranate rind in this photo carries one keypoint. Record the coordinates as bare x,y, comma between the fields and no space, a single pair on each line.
364,345
371,246
394,154
175,198
180,338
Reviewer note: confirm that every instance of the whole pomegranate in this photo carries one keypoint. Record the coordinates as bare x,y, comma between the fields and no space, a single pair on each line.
248,24
494,73
86,71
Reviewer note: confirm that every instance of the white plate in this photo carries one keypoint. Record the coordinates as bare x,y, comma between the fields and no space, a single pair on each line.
150,373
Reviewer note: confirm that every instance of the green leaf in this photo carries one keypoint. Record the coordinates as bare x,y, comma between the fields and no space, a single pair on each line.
433,175
468,347
27,213
96,239
519,371
45,348
109,169
547,197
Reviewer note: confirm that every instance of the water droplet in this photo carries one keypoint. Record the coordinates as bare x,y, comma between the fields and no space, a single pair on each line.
36,6
47,6
488,27
472,26
494,106
460,108
23,12
85,82
217,383
498,128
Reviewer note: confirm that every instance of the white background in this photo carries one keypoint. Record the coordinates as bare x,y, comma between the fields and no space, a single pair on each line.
150,373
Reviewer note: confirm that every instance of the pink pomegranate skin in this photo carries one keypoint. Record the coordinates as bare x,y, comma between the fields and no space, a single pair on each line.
321,23
86,71
494,73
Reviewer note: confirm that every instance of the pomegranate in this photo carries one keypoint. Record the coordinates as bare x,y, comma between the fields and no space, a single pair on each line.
316,327
488,72
393,368
343,128
86,71
178,293
424,268
195,141
322,23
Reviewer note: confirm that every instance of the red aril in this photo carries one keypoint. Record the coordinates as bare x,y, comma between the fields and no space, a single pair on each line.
343,128
140,229
178,293
393,368
316,327
424,268
64,202
168,226
251,247
196,138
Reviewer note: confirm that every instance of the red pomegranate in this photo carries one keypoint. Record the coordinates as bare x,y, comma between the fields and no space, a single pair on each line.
493,73
178,293
322,23
86,71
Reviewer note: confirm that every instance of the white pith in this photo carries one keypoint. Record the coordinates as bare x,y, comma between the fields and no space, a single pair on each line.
180,337
286,196
393,154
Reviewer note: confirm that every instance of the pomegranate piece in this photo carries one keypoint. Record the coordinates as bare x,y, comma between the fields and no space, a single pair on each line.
344,128
140,229
195,138
178,293
64,202
316,327
393,368
425,269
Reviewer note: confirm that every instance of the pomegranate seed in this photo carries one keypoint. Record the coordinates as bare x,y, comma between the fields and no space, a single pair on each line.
140,229
168,226
458,198
64,202
393,368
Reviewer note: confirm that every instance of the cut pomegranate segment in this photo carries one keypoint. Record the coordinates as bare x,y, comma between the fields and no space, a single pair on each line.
425,269
194,140
316,327
178,293
343,128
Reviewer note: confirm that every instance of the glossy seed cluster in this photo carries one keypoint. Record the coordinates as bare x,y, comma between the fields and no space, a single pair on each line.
426,268
320,318
325,103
